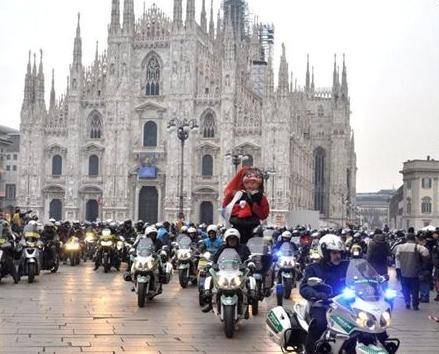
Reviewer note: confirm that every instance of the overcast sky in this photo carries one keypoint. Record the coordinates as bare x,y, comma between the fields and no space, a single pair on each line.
391,46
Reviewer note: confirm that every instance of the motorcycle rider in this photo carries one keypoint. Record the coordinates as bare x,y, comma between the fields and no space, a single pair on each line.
285,237
331,269
231,240
49,235
7,236
212,243
128,230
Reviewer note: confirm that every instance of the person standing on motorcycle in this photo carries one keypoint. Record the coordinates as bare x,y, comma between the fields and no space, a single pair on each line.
212,243
245,203
331,269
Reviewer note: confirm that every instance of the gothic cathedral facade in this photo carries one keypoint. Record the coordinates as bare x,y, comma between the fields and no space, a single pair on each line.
103,150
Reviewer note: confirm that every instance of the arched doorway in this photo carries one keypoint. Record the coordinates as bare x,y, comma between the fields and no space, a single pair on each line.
55,209
148,204
206,213
91,210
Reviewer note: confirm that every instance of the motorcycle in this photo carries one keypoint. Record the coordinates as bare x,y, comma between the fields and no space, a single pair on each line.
106,254
7,265
204,264
259,249
146,271
186,263
72,250
89,245
233,288
51,256
286,268
357,318
31,261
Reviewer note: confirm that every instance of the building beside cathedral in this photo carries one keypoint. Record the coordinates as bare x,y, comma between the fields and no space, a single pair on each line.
102,149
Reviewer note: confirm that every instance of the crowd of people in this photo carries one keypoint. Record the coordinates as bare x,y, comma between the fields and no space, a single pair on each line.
321,253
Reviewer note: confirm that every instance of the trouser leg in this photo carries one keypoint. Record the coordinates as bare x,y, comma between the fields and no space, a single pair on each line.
414,291
317,326
405,289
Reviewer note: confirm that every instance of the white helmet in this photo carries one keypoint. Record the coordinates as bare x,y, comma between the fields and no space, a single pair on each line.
213,228
330,242
192,230
183,229
149,230
231,233
286,234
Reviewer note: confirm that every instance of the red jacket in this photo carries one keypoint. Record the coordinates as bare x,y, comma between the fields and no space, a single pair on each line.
261,209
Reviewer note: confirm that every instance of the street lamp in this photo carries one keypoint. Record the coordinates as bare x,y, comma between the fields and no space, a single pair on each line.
237,159
183,128
266,176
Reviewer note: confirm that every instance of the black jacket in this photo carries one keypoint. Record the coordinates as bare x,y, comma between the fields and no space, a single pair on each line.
377,252
242,250
333,275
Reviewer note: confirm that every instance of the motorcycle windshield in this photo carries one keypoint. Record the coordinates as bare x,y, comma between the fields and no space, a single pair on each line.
184,242
257,246
30,231
229,260
145,247
286,250
364,279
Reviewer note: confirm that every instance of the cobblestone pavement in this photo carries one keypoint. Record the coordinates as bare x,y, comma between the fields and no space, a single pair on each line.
79,310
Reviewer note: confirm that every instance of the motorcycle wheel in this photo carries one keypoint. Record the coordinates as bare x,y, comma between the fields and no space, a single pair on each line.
107,267
56,266
288,286
30,273
229,320
72,261
255,307
182,277
141,294
200,299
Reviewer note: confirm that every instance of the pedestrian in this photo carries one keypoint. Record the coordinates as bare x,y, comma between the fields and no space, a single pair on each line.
425,275
435,261
378,252
411,258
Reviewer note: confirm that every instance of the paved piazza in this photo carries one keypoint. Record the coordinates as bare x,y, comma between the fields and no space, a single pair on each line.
79,310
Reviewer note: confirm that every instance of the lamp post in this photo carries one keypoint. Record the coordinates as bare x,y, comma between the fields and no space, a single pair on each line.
183,128
237,159
266,176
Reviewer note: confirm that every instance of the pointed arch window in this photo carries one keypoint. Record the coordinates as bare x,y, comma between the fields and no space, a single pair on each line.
152,86
319,179
208,125
93,166
95,126
150,134
207,166
57,165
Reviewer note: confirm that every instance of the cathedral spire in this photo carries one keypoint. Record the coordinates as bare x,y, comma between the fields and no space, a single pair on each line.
344,81
128,16
335,82
211,22
77,48
115,16
203,19
218,25
229,39
283,72
27,99
312,80
39,89
52,92
190,13
97,52
178,13
307,80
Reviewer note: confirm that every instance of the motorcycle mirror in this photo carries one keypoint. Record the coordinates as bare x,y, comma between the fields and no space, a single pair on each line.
215,267
251,265
383,278
174,244
314,281
165,248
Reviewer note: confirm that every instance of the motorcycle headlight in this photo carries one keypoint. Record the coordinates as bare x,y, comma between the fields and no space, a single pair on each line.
106,243
386,319
120,245
72,246
366,320
149,264
223,282
236,282
184,255
89,239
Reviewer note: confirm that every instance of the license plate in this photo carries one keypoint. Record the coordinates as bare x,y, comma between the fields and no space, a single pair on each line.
141,279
